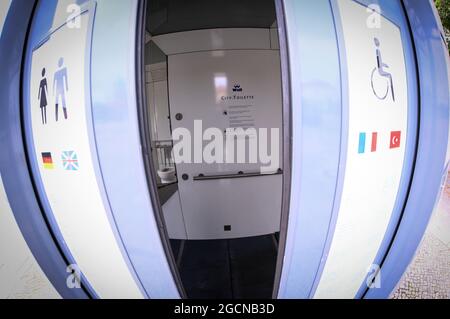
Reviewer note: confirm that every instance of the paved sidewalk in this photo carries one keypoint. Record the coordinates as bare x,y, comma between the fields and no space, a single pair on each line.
428,276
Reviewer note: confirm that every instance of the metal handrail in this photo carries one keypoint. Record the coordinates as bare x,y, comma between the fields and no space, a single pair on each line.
202,177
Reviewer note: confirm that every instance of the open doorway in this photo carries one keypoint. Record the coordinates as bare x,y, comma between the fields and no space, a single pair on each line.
214,117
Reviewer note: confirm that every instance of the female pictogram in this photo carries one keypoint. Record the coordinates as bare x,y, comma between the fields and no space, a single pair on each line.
42,97
381,79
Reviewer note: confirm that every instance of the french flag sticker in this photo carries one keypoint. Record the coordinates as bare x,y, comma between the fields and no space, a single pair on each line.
363,136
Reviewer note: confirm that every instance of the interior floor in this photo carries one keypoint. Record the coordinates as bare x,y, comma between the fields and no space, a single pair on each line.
241,268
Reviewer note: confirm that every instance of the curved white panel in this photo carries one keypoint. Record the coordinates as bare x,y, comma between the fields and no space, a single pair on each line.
65,149
378,111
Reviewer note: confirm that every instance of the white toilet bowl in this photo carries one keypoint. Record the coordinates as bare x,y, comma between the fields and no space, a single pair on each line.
167,175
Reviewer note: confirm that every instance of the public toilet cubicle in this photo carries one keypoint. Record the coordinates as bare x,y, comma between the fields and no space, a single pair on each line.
93,92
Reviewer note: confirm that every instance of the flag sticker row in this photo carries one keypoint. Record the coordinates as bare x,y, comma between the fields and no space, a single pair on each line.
368,142
69,161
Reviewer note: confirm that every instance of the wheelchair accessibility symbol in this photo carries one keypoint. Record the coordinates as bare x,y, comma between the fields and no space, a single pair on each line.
381,80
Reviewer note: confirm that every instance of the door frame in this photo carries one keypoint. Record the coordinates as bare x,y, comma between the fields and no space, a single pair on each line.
145,133
287,150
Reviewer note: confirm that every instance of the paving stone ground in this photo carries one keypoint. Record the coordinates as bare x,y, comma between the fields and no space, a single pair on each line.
428,276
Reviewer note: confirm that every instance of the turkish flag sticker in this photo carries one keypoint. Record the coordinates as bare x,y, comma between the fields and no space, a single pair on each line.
396,139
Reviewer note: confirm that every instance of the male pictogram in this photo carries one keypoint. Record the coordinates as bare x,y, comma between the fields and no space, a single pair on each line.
60,87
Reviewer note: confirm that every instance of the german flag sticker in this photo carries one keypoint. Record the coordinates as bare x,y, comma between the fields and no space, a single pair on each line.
48,161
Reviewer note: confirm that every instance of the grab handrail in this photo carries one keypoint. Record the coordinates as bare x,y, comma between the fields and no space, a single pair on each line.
202,177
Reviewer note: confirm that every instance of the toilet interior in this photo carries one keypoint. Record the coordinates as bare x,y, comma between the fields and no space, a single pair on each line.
216,64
